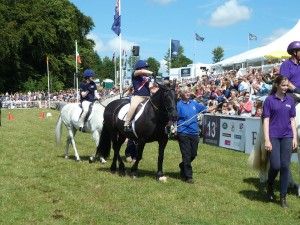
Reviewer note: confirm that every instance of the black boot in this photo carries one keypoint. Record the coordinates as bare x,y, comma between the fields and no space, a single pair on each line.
270,192
283,201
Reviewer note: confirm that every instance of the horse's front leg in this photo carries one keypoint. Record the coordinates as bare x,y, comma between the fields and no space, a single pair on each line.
139,155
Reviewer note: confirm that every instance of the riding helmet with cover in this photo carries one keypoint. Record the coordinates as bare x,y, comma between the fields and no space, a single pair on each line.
88,73
141,64
295,45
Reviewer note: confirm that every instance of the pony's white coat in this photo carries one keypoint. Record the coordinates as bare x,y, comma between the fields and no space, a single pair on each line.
69,116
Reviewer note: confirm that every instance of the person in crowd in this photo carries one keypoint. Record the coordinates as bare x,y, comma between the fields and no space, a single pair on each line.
188,132
291,68
88,94
230,108
243,86
141,91
279,128
245,106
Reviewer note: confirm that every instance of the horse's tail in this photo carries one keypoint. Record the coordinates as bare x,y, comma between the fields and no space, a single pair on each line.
58,129
103,148
258,157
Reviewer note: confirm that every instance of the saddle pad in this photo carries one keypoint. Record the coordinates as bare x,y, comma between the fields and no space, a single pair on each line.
123,112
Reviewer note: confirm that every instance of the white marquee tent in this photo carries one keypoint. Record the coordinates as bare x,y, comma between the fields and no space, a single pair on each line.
258,54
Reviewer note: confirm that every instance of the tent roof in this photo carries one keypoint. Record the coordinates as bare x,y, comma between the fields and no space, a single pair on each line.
257,54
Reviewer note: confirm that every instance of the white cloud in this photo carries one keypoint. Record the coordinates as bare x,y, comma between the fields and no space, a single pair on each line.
113,45
229,13
163,66
99,47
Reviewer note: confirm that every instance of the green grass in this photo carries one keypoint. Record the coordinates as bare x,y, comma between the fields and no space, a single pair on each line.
39,186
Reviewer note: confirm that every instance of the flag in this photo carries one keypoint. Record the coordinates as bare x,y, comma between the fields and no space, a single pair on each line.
78,57
199,38
124,53
252,37
116,27
175,48
113,58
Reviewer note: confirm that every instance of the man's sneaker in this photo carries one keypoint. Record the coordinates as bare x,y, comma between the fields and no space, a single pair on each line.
189,180
127,128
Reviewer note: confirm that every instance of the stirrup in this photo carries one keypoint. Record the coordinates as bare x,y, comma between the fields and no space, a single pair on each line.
127,128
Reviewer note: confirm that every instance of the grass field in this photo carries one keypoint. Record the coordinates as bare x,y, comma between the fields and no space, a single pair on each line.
39,186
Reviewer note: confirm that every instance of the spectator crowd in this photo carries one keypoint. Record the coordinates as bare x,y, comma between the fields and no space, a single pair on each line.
233,92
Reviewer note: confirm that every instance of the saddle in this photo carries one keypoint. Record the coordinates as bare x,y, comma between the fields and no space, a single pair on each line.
88,113
138,112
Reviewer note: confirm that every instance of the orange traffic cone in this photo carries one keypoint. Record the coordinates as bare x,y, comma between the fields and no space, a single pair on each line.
10,117
42,116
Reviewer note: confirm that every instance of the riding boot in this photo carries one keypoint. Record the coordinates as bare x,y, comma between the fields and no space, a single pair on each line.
81,122
283,201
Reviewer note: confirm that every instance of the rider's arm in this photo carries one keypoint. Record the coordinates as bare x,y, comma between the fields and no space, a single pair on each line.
142,71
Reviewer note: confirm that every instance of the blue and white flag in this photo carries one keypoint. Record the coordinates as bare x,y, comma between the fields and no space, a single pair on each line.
175,48
252,37
116,27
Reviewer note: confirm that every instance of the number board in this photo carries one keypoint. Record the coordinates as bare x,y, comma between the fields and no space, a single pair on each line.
211,129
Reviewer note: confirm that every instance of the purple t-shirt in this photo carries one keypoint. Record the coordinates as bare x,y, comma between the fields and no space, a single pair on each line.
291,70
280,113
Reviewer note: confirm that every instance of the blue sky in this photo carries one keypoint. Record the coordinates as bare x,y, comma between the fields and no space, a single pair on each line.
151,24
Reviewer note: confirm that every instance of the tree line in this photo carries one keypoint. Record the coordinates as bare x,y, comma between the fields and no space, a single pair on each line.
32,30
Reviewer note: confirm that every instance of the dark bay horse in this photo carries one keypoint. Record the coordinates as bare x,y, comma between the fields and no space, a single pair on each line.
149,124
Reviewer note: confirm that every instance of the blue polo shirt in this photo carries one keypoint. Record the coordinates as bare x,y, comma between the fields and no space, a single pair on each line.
291,70
280,113
185,112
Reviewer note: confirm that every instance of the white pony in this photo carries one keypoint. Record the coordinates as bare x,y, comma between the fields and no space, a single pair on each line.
69,116
258,158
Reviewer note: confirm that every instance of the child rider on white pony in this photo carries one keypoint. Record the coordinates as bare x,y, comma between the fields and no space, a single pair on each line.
88,94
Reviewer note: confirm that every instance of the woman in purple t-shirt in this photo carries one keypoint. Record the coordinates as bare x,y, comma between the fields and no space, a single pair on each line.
280,135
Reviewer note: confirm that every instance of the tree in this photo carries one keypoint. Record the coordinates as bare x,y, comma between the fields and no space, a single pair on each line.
34,29
180,61
218,54
154,65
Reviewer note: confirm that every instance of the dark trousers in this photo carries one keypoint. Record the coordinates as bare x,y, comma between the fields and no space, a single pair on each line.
188,147
131,149
280,158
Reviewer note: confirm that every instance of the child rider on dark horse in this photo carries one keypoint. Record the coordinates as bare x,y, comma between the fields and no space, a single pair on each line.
88,94
141,91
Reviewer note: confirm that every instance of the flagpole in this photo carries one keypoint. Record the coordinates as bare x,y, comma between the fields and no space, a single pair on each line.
48,74
194,49
120,53
76,71
248,41
170,57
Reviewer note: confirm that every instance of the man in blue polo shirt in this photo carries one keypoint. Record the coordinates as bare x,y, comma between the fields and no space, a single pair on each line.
188,132
291,68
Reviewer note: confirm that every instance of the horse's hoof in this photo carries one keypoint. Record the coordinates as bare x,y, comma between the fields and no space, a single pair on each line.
102,161
66,157
91,160
78,160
